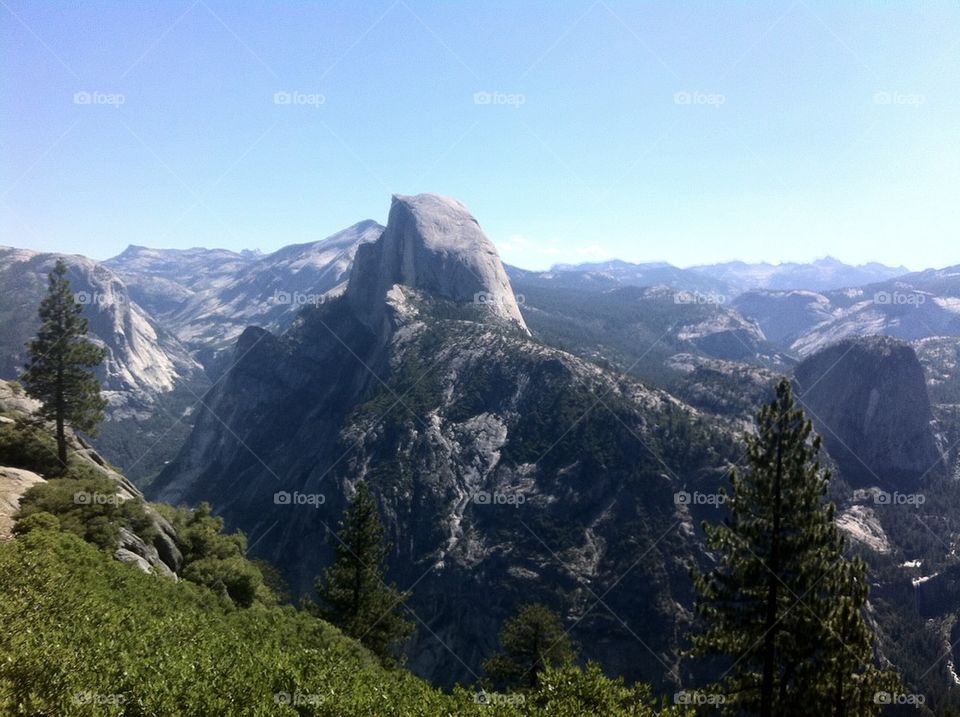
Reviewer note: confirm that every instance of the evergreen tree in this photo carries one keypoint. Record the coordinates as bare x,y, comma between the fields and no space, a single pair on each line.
59,374
353,594
783,603
532,641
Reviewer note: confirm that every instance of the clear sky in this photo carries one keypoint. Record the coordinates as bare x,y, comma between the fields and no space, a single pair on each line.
683,132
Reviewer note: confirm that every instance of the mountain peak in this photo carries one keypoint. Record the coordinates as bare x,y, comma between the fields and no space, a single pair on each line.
434,244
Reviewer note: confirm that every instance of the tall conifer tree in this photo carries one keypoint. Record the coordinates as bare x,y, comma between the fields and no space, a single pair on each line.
783,603
353,594
59,373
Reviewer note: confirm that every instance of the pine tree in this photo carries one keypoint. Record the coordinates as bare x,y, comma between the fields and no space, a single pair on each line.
532,641
783,604
353,594
59,373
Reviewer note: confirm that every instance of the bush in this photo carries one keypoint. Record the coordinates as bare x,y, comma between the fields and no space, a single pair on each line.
25,445
200,534
40,520
235,577
217,560
570,691
89,508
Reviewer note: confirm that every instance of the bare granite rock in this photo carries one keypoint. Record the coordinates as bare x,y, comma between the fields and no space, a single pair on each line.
432,243
14,482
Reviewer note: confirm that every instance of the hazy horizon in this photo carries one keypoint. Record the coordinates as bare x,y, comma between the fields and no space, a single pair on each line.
551,266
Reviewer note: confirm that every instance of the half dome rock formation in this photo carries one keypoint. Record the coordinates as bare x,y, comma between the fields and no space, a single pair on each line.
432,243
868,400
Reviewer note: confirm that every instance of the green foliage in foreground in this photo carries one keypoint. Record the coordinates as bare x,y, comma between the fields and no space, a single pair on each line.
217,559
86,635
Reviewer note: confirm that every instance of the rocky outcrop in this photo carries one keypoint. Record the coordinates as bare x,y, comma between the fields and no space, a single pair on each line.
144,555
161,553
861,525
433,244
14,482
868,400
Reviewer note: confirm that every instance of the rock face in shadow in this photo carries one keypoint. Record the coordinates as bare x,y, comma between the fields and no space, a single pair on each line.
433,244
868,400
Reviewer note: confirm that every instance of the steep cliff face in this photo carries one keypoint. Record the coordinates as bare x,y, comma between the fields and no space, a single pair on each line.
142,361
433,244
506,470
869,402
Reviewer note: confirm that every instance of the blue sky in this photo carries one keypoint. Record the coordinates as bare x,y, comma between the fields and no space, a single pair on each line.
684,132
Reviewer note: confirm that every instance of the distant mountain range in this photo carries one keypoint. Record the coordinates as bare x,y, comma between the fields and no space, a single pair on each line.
730,278
208,296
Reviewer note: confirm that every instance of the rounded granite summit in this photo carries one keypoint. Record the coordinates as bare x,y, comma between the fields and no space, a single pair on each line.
434,244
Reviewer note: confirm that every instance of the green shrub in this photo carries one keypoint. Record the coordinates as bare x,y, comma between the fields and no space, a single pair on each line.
88,508
25,445
235,577
41,520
